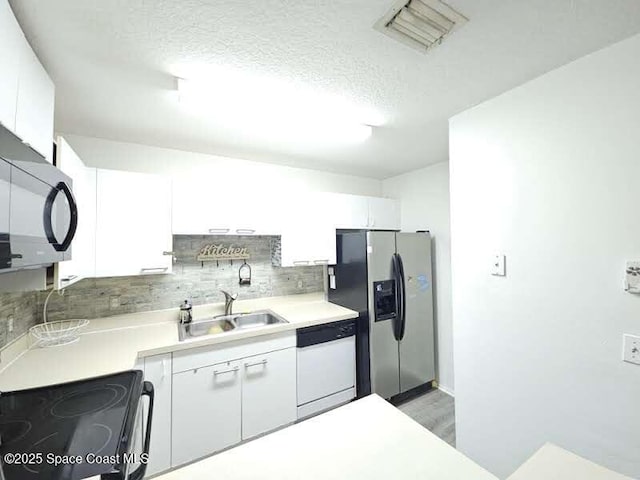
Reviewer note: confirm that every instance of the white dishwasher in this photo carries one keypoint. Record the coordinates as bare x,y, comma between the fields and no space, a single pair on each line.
326,357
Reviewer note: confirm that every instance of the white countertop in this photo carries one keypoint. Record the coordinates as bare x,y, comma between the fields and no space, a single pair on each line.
114,344
554,463
368,439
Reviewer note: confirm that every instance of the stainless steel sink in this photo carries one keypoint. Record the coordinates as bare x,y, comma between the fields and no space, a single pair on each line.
257,319
228,323
204,328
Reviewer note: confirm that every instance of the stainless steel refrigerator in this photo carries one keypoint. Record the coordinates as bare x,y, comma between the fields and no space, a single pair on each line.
386,277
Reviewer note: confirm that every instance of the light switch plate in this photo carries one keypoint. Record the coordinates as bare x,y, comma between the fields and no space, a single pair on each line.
632,277
498,266
631,349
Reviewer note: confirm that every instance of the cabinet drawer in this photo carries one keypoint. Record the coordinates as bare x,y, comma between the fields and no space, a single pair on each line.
210,355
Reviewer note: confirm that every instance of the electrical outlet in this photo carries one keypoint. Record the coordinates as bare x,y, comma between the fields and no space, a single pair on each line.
631,349
498,266
10,323
114,302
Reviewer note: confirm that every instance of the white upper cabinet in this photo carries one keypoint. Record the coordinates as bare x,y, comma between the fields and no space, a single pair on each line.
133,224
27,94
11,41
309,236
348,211
83,248
35,105
201,207
384,214
359,212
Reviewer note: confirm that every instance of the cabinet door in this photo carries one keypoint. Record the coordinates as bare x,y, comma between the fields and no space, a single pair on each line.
307,245
268,392
133,224
384,213
348,211
11,40
157,370
199,208
257,212
206,415
35,104
309,237
83,248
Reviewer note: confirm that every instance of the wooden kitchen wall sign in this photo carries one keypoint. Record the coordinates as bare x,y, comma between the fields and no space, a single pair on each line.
222,252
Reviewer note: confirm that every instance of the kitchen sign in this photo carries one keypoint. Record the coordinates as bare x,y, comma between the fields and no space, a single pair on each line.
222,252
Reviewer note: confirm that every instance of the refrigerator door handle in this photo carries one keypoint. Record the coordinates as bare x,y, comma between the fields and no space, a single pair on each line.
403,298
398,328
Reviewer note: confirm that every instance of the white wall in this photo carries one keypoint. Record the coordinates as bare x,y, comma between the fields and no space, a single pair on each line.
424,197
549,174
221,170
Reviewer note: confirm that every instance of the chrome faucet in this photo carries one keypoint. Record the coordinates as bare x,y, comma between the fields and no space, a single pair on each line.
228,302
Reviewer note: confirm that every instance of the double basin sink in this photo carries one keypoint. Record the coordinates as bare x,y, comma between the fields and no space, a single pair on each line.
228,323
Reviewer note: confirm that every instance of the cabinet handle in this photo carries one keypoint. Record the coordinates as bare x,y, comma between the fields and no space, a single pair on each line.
301,262
220,372
249,365
154,269
321,262
218,230
245,231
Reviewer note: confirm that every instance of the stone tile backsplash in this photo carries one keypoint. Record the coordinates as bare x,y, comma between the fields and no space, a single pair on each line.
24,308
200,282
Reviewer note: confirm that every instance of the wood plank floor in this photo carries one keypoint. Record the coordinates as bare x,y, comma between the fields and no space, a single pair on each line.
434,410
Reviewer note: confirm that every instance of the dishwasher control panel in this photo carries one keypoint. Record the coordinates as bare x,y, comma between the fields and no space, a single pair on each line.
325,333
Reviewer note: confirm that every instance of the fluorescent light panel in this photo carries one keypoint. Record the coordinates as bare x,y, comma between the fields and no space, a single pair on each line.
422,24
270,109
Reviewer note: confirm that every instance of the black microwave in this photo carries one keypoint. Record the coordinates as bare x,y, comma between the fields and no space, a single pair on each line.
38,213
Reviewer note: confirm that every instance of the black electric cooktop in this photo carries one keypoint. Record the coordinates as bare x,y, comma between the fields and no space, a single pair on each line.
92,419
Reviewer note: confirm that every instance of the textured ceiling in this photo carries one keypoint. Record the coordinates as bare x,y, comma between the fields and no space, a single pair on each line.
113,63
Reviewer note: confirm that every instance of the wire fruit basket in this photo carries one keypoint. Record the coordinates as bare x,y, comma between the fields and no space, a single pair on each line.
53,334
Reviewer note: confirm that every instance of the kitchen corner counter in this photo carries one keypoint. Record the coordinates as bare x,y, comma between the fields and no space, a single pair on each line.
368,439
116,343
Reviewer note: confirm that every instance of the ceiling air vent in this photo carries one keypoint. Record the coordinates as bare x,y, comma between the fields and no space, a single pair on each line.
422,24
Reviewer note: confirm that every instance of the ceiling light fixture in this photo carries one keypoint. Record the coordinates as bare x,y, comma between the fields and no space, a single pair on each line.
422,24
274,109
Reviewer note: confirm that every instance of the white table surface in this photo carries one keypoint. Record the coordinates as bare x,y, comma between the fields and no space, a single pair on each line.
365,440
554,463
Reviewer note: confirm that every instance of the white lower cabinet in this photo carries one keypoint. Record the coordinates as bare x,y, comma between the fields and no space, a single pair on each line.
157,370
222,396
206,411
268,392
208,399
